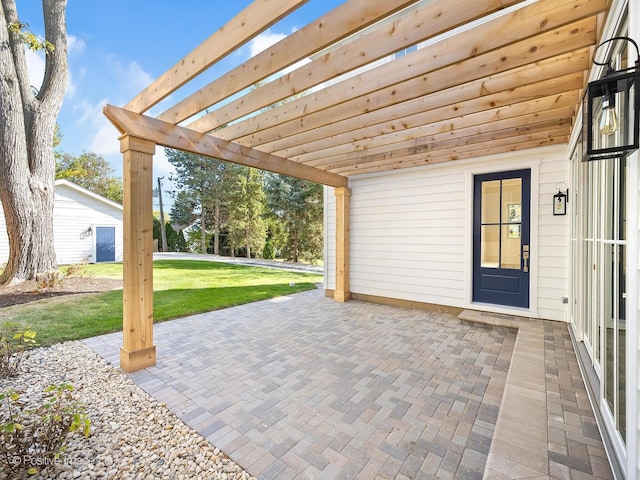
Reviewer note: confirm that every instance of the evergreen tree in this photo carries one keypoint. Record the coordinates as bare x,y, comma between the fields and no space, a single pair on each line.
181,244
298,207
172,237
247,227
202,179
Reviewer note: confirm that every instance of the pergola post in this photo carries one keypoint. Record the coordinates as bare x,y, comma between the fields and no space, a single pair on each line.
138,350
342,292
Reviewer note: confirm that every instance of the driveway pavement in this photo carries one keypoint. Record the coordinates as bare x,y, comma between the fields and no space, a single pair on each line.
254,262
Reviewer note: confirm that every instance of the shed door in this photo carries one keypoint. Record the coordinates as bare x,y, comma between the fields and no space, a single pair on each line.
105,244
501,253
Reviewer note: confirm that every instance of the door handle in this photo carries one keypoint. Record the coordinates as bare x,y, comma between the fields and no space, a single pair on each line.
525,258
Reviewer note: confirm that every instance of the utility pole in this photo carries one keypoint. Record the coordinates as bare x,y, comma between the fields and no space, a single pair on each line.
162,232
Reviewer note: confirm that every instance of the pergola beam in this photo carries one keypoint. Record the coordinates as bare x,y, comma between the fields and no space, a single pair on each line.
427,22
487,132
439,147
181,138
513,144
336,25
455,116
520,38
256,18
392,111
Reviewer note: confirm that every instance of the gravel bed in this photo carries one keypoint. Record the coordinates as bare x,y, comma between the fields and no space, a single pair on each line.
132,435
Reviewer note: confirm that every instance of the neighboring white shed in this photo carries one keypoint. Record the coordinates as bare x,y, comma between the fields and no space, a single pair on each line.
87,226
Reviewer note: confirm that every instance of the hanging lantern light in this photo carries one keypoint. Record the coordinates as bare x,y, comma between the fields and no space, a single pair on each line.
611,111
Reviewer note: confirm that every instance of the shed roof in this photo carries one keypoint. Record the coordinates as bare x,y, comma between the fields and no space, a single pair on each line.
86,192
340,97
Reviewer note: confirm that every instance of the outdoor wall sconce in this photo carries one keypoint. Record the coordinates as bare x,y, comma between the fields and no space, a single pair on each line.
611,111
87,233
560,201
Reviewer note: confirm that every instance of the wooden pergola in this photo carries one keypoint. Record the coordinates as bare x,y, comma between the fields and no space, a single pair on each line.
490,76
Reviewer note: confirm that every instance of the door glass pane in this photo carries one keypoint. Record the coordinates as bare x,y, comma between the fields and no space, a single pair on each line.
622,353
510,257
490,246
512,200
490,202
609,327
622,226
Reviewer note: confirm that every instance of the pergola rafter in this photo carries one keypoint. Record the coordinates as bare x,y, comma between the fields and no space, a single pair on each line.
348,95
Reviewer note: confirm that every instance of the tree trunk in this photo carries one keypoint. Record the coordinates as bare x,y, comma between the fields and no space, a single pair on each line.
216,228
296,245
27,160
248,241
203,232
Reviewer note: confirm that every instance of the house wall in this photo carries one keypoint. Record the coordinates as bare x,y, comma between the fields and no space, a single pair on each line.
411,232
73,212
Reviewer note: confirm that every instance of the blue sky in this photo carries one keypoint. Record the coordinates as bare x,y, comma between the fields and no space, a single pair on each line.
117,47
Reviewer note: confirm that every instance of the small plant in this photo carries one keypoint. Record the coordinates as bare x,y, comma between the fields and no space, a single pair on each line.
14,342
31,439
75,270
46,281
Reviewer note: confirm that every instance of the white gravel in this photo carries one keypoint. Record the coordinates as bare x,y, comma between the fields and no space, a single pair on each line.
132,435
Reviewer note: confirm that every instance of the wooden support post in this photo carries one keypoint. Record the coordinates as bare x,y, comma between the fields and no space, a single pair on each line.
342,292
138,350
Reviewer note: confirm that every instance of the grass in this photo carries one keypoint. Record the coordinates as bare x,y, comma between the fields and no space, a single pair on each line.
181,288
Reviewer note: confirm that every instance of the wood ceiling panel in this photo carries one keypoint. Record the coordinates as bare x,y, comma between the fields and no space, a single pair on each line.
548,132
441,60
449,127
514,102
558,42
515,144
551,71
549,119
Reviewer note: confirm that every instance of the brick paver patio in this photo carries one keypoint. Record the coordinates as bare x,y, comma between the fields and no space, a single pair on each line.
304,387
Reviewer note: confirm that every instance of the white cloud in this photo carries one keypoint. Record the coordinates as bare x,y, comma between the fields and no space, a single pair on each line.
162,167
127,80
103,136
264,41
105,140
36,64
75,45
131,77
35,67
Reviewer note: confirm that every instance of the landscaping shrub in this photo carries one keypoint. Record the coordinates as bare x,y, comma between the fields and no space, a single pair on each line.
14,342
34,438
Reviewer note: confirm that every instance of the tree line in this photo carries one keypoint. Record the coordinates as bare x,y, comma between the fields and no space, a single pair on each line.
244,211
235,209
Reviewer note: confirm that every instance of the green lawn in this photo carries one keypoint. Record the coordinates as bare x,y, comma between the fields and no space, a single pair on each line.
181,288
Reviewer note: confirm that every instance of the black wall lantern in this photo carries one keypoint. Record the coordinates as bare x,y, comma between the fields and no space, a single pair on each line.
560,201
612,111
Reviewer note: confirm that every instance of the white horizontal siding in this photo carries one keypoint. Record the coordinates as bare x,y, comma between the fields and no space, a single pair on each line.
411,232
73,213
553,240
